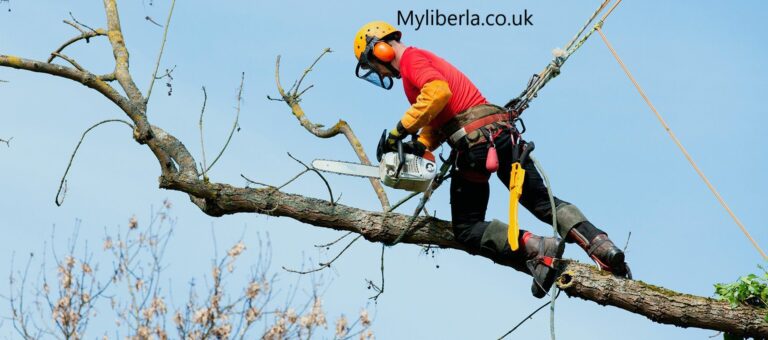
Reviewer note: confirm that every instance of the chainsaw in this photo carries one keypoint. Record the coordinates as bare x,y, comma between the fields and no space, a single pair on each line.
399,170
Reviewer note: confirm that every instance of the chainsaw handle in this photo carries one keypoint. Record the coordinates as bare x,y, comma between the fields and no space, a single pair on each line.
400,157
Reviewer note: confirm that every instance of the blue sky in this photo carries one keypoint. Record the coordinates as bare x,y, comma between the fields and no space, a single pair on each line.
699,62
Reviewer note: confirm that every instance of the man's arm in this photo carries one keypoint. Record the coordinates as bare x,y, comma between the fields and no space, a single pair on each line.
432,99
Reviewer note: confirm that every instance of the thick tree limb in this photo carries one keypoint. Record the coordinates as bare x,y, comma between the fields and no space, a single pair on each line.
660,304
576,279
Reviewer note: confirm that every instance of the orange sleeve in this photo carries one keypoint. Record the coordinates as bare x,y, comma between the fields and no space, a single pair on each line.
432,99
430,137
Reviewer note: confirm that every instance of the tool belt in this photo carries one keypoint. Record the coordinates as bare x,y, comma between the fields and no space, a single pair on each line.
464,129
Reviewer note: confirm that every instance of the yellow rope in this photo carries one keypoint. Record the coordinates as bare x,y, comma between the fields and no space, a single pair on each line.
674,138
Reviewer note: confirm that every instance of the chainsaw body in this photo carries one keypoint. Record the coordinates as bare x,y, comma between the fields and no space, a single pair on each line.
413,174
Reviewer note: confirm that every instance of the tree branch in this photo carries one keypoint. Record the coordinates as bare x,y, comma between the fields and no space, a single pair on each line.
116,39
6,141
660,304
84,35
292,98
162,47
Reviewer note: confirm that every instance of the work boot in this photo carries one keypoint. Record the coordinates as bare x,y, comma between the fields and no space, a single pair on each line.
602,250
540,253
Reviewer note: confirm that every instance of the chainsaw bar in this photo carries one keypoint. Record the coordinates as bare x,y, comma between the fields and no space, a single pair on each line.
346,168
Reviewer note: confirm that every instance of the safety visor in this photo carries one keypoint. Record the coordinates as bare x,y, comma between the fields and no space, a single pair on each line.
366,69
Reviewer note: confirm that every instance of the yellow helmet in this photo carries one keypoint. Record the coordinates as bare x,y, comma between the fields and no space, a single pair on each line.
377,29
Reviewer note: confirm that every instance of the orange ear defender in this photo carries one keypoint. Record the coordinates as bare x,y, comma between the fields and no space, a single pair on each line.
383,51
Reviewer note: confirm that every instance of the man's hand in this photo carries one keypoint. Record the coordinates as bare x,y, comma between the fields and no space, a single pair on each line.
414,148
397,134
388,142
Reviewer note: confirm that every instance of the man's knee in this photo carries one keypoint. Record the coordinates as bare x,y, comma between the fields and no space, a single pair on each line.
470,234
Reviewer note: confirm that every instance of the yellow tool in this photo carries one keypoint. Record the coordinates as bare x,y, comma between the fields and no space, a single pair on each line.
516,178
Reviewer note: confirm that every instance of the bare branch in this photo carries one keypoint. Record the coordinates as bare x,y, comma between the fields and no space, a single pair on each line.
524,320
162,47
234,125
116,39
6,141
324,265
202,143
141,131
380,288
333,242
297,85
68,59
84,35
148,18
308,168
78,25
59,199
341,127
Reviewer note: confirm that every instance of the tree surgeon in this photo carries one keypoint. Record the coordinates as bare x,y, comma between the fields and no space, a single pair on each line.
447,107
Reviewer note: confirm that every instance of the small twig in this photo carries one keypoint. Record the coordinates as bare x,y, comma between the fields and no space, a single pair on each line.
334,242
272,186
168,73
234,126
160,54
297,85
76,26
148,18
524,320
79,23
108,77
379,289
627,243
305,90
68,59
400,202
60,199
330,192
83,36
7,141
324,265
202,143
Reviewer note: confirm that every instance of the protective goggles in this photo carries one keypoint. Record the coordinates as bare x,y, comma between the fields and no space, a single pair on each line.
366,67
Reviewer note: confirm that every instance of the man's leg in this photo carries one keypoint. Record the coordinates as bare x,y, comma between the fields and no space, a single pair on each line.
570,219
469,200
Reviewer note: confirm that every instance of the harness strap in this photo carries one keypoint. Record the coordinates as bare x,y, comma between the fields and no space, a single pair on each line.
457,135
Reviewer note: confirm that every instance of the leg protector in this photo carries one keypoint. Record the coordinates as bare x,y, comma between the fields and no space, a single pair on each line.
493,244
568,216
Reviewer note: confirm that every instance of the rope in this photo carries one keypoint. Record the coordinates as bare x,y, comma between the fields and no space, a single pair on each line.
562,242
680,145
552,69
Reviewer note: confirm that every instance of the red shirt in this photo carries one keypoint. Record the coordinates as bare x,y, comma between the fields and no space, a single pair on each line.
418,67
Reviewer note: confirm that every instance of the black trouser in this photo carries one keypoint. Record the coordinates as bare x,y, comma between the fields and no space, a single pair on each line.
470,191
